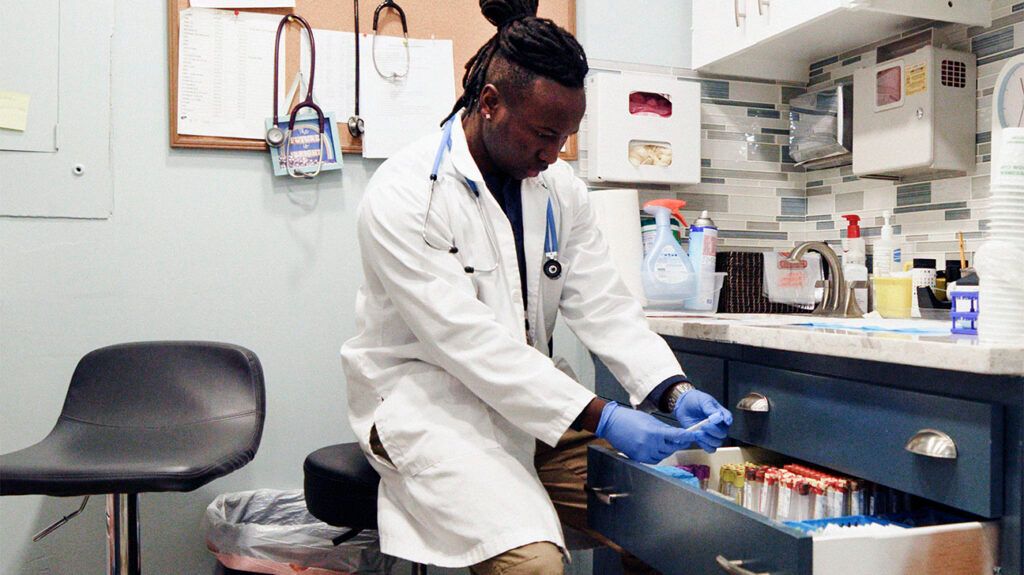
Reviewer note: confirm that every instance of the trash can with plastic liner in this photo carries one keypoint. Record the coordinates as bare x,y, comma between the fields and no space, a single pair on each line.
270,531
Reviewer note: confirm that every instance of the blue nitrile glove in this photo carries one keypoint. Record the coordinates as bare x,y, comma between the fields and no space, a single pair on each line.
695,406
640,435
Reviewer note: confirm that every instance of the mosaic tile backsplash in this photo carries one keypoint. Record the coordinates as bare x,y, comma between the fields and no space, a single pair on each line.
761,201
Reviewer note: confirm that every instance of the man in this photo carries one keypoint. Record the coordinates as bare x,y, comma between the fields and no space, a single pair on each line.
472,240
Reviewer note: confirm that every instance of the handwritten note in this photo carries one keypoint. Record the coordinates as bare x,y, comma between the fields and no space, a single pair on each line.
13,111
226,72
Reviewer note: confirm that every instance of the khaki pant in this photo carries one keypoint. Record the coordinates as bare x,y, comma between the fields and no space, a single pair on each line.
563,471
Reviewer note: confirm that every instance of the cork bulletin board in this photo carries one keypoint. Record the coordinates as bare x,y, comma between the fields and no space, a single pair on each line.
457,20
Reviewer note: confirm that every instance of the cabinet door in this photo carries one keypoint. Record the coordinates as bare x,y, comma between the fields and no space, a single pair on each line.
719,29
772,17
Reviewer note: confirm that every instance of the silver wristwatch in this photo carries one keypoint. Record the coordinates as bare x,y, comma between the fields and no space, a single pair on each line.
675,392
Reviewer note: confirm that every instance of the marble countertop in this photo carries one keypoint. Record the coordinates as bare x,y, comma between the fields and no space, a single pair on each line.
930,344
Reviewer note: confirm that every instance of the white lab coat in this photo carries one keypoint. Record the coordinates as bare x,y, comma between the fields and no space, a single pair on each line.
441,363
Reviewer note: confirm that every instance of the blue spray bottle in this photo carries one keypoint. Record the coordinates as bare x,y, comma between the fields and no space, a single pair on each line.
667,275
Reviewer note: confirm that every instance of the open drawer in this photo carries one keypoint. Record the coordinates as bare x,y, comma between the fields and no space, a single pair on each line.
682,530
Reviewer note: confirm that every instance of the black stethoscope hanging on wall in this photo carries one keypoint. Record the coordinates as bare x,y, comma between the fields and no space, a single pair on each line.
277,138
393,76
355,123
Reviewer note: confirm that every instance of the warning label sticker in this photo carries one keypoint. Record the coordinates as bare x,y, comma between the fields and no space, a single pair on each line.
917,79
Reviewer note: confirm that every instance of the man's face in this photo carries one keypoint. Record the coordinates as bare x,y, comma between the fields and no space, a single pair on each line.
528,128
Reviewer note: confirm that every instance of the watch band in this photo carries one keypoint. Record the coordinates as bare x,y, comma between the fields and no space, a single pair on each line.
675,392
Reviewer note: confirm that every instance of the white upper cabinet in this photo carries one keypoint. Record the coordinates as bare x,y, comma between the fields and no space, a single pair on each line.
779,39
719,28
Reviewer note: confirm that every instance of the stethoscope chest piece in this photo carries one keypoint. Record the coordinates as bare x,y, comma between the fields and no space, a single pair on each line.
275,137
553,268
355,126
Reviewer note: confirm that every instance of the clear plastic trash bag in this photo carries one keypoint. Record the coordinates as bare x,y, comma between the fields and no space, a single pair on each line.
270,531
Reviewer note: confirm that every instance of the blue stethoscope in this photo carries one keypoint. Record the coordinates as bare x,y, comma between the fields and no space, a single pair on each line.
552,267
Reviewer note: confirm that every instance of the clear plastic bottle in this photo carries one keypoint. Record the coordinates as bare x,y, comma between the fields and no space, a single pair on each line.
887,251
667,275
854,259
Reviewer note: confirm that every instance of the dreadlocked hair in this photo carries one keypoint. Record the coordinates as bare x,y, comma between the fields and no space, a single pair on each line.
524,47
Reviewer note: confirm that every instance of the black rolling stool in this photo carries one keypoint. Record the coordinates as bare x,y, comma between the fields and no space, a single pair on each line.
341,490
139,418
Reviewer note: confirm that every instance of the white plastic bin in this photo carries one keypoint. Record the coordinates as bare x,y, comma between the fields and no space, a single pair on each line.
707,300
270,531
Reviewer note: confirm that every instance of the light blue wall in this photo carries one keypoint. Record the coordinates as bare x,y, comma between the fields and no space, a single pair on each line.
653,32
202,244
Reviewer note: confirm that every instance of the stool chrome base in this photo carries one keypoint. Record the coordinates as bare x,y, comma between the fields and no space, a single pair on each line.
123,548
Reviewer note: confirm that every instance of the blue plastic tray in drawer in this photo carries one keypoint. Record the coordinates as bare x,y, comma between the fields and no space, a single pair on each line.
812,525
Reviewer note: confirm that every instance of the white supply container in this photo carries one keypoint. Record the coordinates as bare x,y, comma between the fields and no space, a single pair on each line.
708,293
914,114
643,128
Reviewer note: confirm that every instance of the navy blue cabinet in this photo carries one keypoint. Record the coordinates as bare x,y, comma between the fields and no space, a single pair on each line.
854,416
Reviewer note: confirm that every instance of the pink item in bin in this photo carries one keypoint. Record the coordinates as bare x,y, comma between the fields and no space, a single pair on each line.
649,104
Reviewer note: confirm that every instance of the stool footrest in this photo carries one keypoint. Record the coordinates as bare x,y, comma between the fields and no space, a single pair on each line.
346,536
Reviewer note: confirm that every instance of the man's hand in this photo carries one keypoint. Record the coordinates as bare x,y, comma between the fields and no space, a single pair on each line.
695,406
640,435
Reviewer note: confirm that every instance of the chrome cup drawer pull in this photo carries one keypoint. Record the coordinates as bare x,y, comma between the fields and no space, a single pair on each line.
754,402
932,443
604,495
735,567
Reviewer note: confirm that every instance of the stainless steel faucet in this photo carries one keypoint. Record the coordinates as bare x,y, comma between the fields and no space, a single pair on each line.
838,299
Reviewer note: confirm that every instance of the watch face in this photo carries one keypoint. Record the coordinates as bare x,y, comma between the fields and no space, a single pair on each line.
1010,98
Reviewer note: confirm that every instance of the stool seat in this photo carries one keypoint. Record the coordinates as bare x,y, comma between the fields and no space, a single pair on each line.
341,486
143,417
80,458
146,417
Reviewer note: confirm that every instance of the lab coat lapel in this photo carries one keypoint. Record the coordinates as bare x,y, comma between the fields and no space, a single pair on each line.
535,205
465,165
462,160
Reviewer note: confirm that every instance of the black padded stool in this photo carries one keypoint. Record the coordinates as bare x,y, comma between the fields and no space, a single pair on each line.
341,490
144,417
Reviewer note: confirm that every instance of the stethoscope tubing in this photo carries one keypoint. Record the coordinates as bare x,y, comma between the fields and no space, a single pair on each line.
552,266
308,101
393,76
284,141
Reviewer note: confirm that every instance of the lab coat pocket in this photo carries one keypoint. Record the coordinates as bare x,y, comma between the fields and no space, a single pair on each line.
432,420
377,450
381,432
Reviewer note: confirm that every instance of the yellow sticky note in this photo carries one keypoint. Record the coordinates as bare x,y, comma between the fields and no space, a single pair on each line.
13,110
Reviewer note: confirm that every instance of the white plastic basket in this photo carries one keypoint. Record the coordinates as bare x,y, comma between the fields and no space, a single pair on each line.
270,531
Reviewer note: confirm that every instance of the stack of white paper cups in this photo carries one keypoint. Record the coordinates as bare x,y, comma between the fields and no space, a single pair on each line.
1000,262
